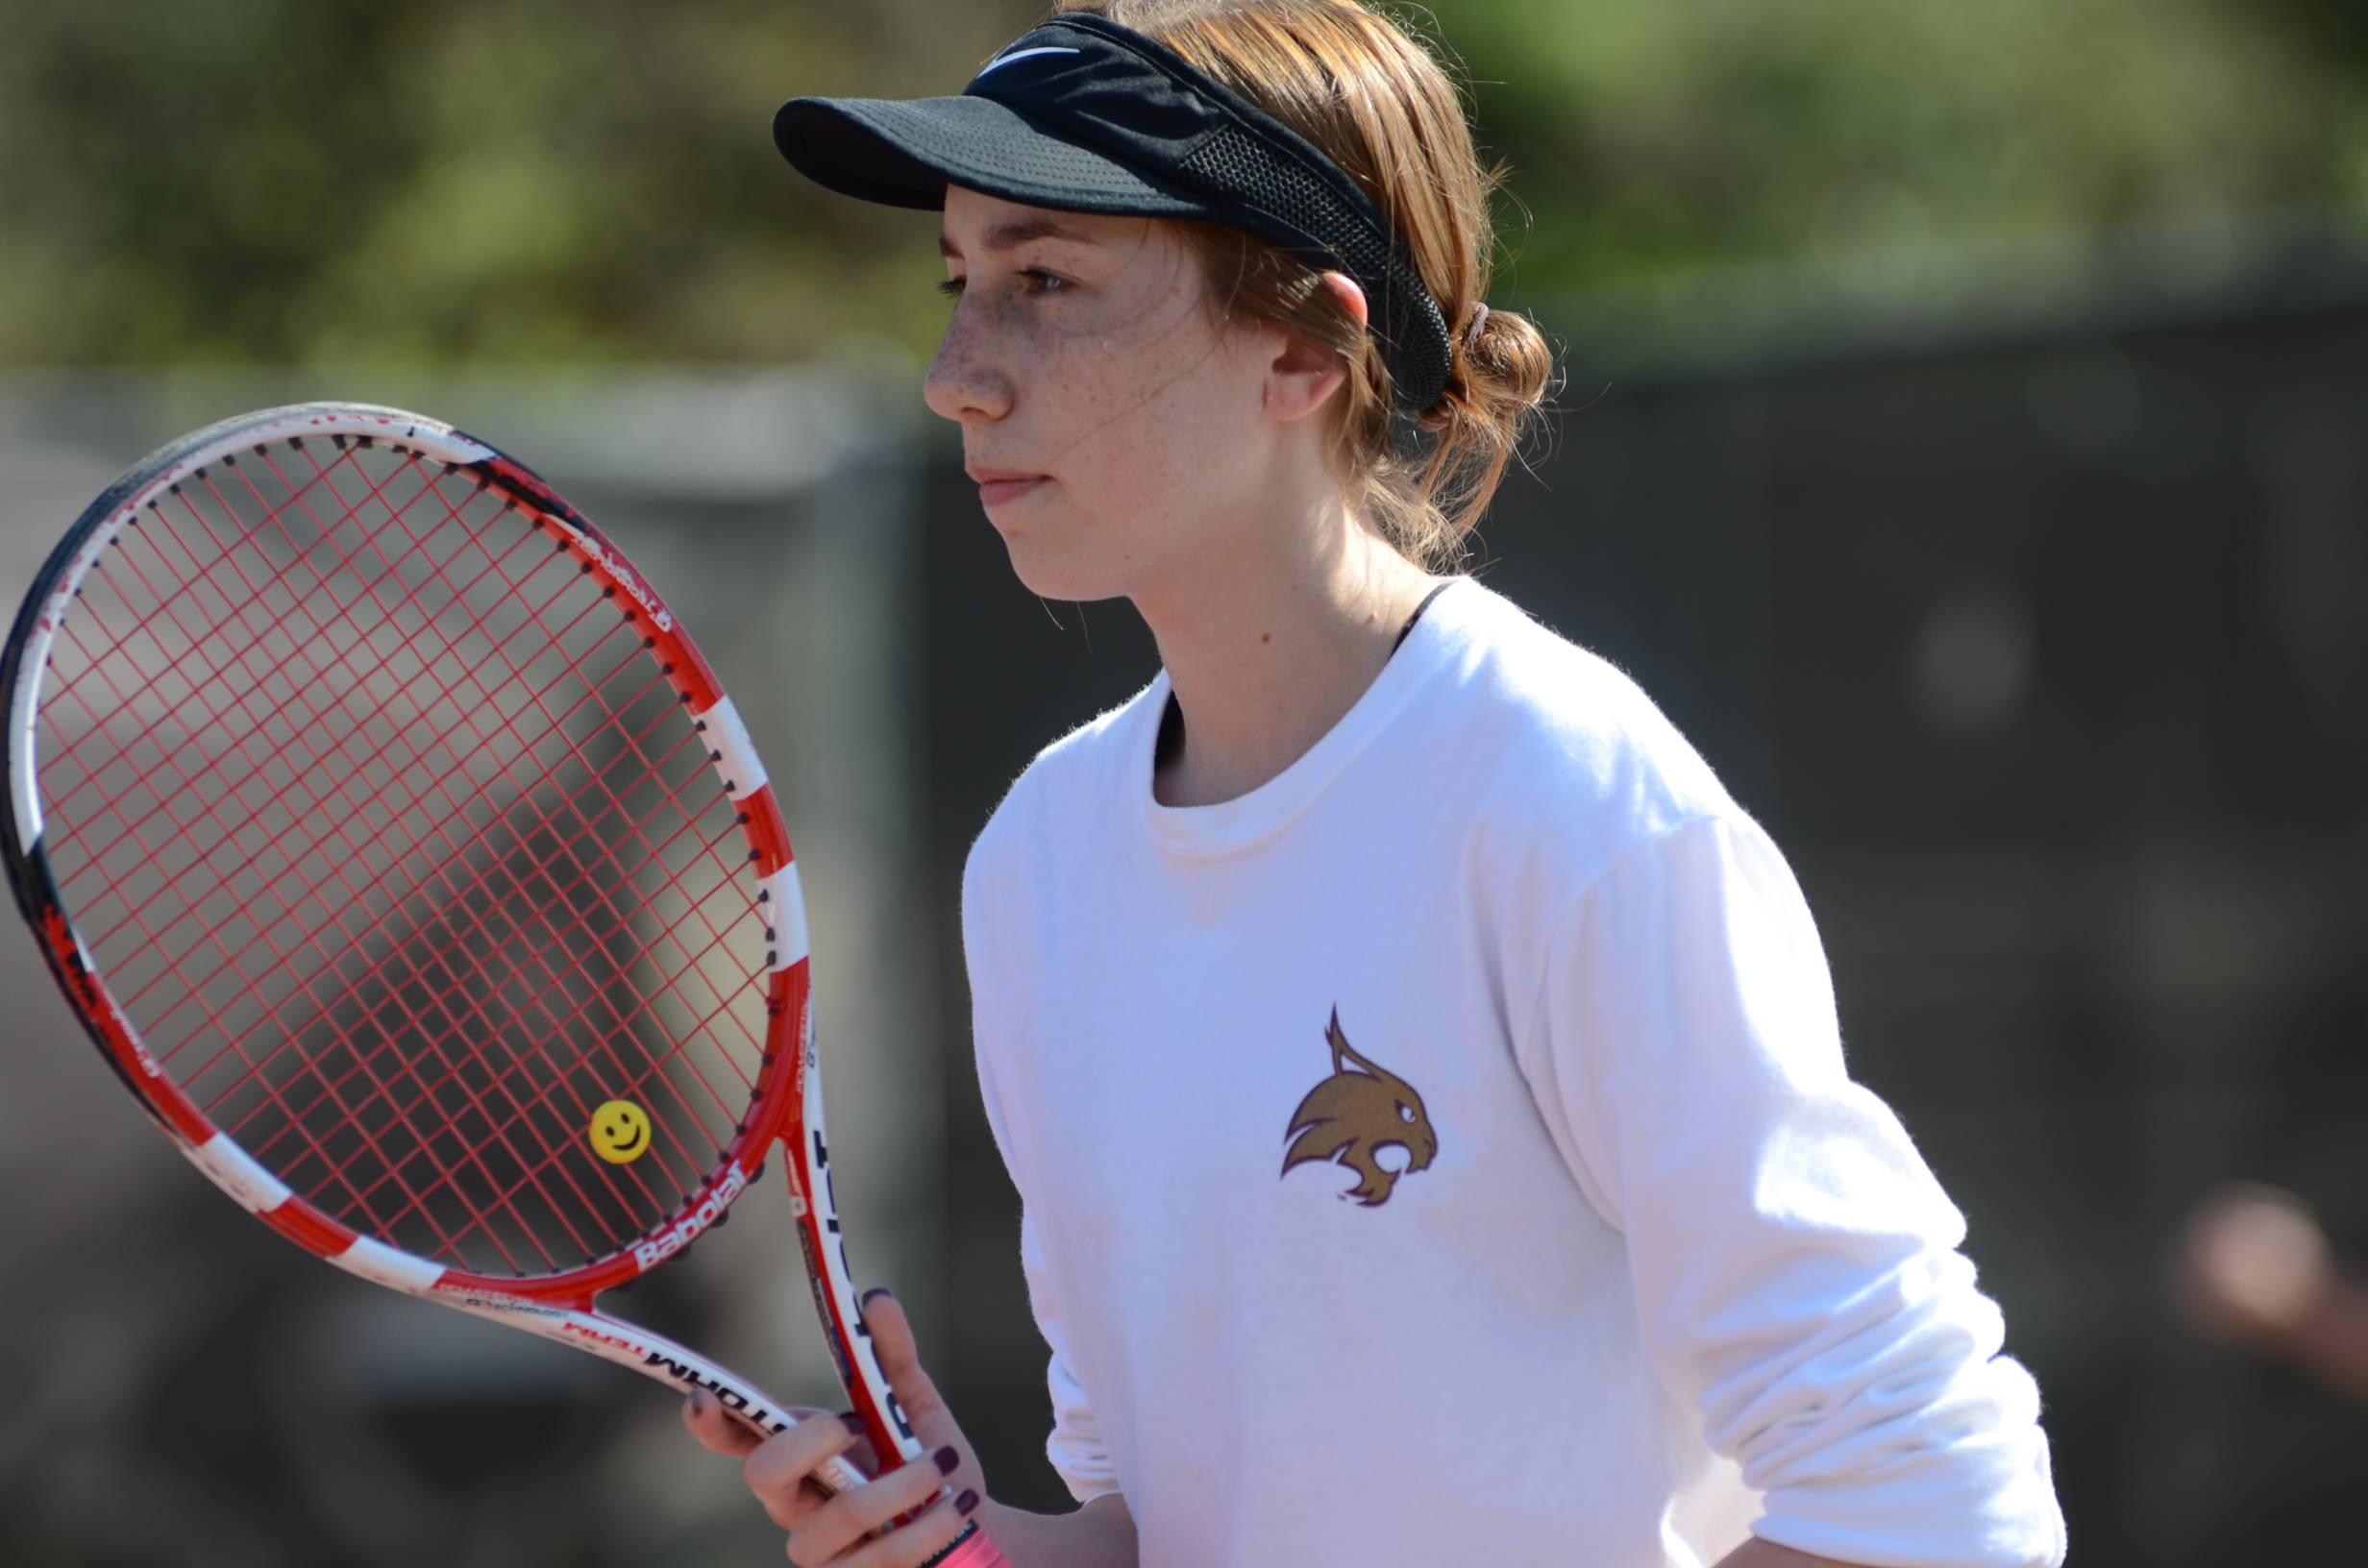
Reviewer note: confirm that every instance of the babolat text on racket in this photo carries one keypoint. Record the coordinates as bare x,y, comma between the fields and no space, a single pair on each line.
402,857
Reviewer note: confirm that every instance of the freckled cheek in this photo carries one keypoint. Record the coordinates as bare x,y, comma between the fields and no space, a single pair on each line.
1094,405
1123,406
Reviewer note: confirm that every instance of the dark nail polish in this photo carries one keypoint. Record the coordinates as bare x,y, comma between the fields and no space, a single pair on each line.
852,1422
945,1459
699,1402
965,1502
871,1295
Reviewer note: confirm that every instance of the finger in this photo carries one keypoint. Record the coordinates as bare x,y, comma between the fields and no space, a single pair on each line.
845,1521
703,1414
717,1430
899,1360
778,1469
859,1454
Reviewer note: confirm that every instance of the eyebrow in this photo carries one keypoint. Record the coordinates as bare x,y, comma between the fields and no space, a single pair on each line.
1008,236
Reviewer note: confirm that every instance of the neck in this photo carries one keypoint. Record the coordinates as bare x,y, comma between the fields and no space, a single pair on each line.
1265,659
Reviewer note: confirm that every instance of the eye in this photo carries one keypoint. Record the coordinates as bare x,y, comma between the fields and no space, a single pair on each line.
1032,280
1405,1112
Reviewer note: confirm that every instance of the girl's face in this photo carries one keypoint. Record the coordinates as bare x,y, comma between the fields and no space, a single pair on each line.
1115,431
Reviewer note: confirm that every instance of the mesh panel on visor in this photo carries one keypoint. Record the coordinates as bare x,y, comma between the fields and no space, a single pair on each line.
1299,201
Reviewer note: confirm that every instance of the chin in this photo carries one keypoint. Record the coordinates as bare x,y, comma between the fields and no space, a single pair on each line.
1050,574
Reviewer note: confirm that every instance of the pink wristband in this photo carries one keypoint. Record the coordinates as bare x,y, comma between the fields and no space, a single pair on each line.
970,1550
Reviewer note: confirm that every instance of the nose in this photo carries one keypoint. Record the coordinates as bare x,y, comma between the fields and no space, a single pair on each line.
965,381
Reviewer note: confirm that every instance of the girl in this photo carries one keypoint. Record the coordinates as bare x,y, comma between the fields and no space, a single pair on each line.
1420,1077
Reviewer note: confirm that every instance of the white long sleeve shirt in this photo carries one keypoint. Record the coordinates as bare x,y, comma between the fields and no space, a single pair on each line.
1444,1153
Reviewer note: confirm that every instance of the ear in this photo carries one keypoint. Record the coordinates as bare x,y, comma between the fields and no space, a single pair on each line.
1302,376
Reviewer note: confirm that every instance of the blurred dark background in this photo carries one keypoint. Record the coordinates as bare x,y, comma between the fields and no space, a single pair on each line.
1964,442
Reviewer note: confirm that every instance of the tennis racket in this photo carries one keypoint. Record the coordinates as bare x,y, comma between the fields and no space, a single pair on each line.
404,859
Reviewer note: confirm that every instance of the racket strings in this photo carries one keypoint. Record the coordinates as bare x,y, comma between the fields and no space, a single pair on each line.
440,782
434,1085
335,1090
164,606
553,976
409,848
633,739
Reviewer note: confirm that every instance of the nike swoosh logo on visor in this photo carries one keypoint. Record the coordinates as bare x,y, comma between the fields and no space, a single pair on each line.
1002,60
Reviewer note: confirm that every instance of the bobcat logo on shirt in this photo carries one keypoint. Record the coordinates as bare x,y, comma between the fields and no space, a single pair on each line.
1352,1116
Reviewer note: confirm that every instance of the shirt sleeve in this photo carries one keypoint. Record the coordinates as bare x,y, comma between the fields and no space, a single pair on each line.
1076,1448
1794,1260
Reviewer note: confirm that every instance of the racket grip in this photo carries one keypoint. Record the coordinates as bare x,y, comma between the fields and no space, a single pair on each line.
971,1550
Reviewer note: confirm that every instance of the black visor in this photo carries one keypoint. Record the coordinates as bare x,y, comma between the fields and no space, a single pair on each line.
1083,115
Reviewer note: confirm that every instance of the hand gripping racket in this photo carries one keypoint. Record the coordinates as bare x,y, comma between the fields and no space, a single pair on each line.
401,855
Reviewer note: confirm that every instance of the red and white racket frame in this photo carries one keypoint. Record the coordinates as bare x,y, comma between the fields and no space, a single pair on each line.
557,1307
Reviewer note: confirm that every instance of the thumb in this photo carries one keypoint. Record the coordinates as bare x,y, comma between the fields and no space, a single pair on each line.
899,1359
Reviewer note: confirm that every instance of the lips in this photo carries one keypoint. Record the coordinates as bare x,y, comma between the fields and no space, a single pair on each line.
999,486
997,492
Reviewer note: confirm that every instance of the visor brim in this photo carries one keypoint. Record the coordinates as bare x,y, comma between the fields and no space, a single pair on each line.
904,153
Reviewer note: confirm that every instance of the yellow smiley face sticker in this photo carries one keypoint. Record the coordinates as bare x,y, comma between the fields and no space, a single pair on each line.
620,1132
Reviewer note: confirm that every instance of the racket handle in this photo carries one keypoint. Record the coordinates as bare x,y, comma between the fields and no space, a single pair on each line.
971,1550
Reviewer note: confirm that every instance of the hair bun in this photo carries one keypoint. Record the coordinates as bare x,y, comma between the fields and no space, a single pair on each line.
1507,366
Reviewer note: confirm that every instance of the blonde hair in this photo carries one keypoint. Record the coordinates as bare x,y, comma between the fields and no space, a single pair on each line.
1373,98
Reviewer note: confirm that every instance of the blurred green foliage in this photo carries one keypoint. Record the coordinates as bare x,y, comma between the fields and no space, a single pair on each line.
433,182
